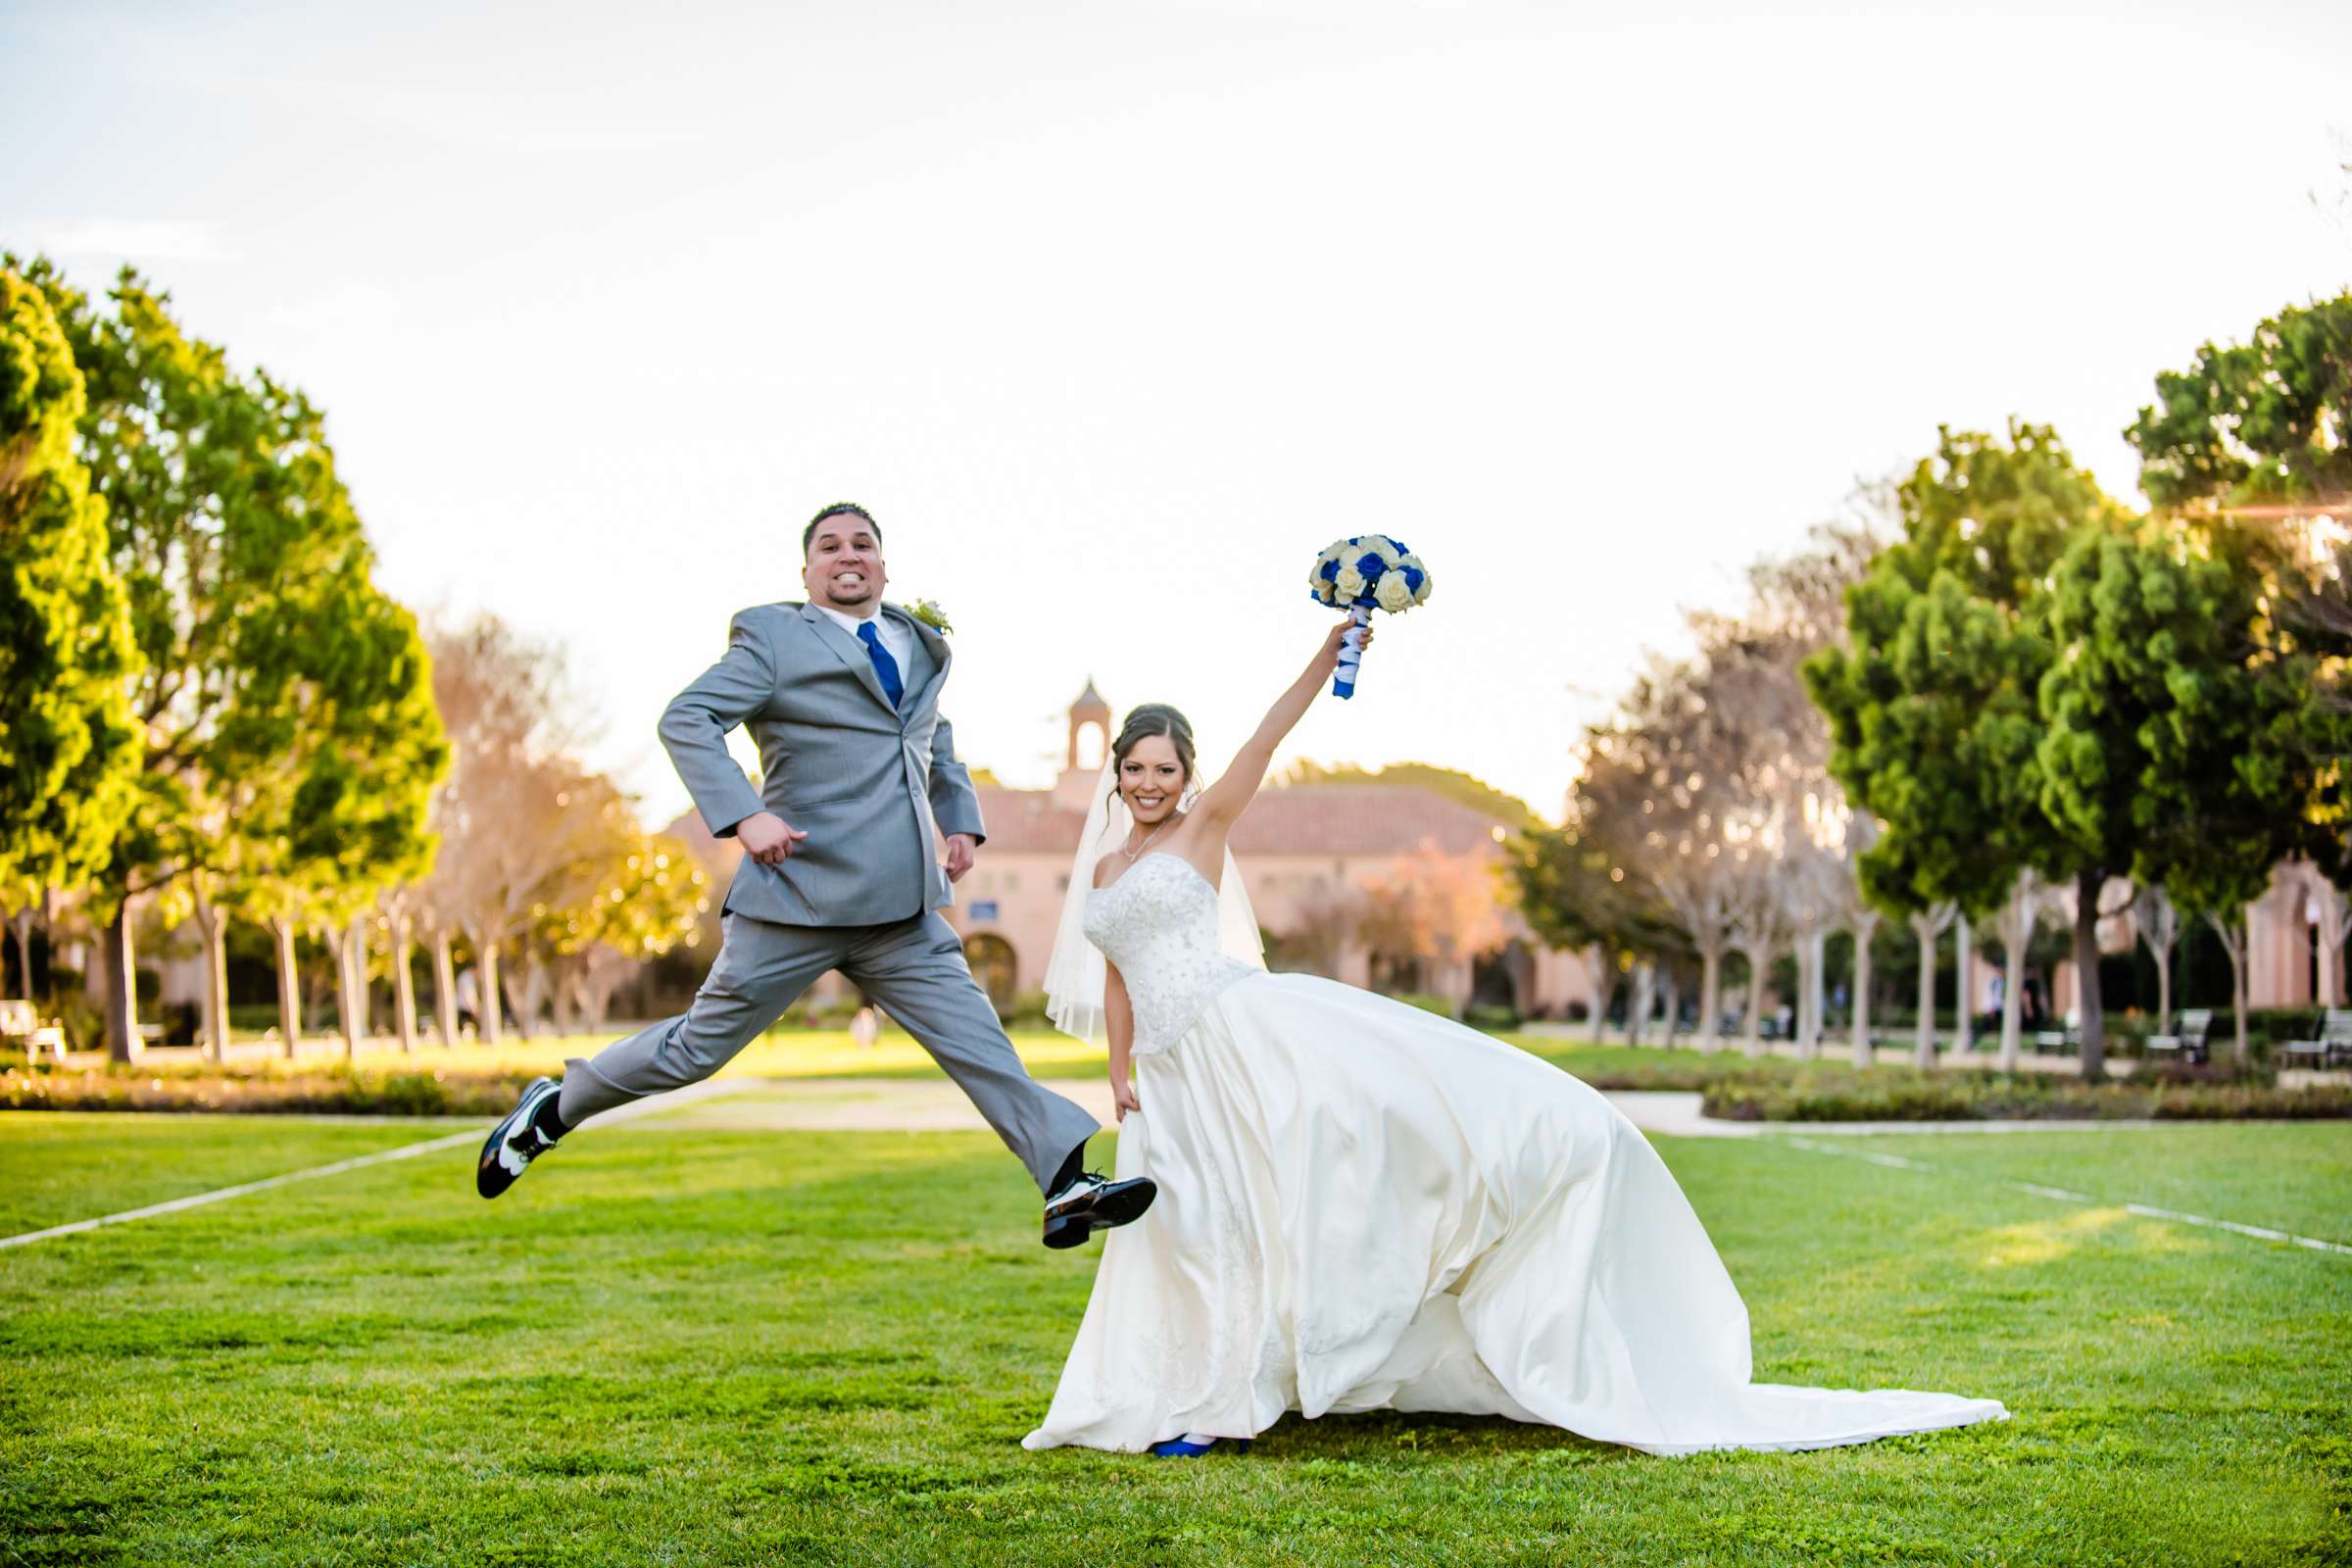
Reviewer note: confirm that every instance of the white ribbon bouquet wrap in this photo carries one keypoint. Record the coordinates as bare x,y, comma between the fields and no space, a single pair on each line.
1360,575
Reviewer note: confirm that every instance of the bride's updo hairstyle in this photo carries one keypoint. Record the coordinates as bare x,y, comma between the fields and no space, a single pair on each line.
1153,718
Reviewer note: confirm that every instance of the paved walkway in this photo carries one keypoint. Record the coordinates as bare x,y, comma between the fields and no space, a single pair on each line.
933,1106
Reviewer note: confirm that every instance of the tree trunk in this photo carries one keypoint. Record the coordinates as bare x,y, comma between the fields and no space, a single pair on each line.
1604,987
1817,991
290,989
2089,1006
1964,991
492,1002
212,925
444,988
404,985
121,965
596,1003
1636,1013
350,963
363,999
2239,1047
20,923
1710,998
1923,1038
2015,932
2233,942
1674,1007
1754,1040
527,985
2164,989
2013,1006
1865,929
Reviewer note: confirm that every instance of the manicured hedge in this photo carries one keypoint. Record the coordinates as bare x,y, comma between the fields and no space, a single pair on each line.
1885,1095
329,1091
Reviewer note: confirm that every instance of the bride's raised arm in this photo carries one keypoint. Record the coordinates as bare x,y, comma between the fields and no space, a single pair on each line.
1225,800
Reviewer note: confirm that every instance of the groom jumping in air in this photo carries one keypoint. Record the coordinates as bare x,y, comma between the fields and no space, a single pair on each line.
858,779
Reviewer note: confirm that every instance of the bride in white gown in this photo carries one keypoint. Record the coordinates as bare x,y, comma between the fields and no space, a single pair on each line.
1362,1205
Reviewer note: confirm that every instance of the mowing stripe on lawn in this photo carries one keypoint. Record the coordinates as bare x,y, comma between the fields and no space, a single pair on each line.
2062,1195
676,1096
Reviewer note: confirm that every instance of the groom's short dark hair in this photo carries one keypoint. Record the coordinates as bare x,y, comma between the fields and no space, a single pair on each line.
836,509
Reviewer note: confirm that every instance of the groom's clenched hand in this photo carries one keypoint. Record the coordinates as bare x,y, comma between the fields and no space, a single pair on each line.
960,855
767,838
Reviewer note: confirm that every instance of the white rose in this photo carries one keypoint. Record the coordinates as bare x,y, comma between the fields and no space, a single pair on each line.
1392,593
1384,548
1350,585
1421,593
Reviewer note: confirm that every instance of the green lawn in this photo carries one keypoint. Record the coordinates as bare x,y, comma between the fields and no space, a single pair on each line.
675,1345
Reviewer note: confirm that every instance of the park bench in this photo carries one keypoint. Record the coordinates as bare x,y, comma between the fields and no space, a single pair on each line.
20,1025
2190,1043
2067,1042
2335,1039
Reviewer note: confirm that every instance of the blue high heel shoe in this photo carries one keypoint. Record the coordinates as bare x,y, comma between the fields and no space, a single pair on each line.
1182,1449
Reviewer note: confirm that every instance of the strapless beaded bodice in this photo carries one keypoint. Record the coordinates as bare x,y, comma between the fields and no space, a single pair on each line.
1159,924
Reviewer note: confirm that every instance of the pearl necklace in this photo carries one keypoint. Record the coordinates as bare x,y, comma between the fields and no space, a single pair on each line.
1133,853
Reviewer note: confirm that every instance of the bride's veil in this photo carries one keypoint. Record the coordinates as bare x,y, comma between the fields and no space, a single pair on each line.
1074,973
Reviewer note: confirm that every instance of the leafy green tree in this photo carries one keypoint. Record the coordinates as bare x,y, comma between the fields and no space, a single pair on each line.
2265,422
649,898
67,747
277,688
1933,705
2188,742
1598,886
2251,433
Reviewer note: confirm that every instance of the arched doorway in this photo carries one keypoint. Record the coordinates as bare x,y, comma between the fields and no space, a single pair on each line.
992,963
1500,978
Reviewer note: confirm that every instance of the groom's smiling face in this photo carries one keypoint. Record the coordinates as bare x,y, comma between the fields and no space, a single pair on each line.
844,568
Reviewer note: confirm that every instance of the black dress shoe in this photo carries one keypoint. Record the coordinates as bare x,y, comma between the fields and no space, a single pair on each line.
515,1142
1089,1203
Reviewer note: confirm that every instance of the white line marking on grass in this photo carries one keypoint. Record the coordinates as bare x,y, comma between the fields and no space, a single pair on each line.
152,1210
635,1108
2061,1195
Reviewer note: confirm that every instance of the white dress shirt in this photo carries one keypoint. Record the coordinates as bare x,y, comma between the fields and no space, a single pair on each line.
895,637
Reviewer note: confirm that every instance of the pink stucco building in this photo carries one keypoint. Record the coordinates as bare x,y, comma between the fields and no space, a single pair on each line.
1308,852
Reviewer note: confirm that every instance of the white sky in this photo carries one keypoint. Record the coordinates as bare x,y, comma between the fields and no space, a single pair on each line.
1114,315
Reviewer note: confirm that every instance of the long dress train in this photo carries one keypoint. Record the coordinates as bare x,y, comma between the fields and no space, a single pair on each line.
1366,1207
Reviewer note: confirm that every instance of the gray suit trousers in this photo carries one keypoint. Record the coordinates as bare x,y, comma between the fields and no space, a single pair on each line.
913,967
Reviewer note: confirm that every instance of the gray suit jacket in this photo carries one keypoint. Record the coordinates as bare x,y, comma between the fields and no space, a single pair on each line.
867,784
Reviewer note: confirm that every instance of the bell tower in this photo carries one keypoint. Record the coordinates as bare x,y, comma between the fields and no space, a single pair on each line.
1090,745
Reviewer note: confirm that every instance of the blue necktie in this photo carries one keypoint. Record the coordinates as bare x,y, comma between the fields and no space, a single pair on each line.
884,665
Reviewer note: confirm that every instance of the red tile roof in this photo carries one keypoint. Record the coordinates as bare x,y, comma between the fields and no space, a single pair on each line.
1336,820
1028,820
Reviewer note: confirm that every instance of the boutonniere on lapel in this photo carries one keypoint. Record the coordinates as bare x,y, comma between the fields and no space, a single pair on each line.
927,611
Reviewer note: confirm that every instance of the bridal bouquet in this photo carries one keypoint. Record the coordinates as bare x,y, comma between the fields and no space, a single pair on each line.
1360,575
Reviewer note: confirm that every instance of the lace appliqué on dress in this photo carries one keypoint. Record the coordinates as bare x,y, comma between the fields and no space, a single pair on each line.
1159,924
